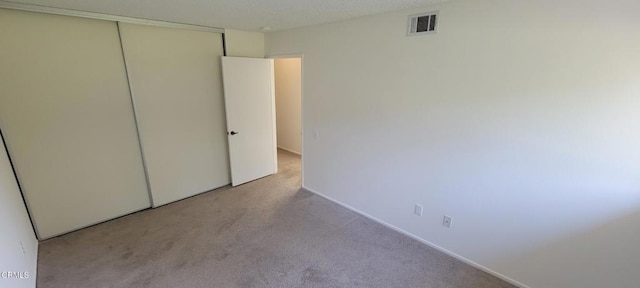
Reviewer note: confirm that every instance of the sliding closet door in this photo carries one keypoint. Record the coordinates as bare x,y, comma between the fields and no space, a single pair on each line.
66,114
176,84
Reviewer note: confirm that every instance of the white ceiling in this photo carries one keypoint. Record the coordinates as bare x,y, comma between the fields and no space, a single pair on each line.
238,14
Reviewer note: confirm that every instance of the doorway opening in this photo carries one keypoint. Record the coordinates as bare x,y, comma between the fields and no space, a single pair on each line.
288,98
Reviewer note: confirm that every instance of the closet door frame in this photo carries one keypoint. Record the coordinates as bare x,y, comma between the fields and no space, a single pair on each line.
102,16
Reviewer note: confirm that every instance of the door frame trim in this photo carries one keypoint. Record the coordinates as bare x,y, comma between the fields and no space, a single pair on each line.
103,16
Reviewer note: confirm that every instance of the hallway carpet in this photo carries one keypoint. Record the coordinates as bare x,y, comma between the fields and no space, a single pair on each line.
266,233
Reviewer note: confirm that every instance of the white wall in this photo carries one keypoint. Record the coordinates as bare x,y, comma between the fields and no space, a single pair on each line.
520,119
244,43
288,103
17,233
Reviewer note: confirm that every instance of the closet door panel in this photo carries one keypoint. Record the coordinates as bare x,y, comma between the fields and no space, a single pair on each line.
176,81
66,112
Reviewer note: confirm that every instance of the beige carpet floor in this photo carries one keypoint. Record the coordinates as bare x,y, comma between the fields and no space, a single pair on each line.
267,233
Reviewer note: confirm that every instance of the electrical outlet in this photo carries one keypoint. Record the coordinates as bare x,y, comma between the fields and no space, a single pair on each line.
446,221
417,210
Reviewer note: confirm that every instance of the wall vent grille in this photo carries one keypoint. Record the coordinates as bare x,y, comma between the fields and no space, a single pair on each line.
424,23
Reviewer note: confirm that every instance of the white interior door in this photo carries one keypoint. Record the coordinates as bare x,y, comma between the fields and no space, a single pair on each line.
176,83
250,106
65,111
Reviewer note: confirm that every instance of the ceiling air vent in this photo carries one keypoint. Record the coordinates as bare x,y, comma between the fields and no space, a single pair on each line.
424,23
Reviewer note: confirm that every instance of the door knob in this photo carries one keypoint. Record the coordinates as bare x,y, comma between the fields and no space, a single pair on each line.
233,133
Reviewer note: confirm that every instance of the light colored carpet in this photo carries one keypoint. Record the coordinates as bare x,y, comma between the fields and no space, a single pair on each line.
267,233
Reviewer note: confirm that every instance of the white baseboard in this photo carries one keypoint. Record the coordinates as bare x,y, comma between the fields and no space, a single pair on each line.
443,250
289,150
